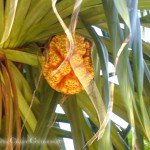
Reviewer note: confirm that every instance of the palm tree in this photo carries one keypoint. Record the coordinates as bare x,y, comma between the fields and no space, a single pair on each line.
28,103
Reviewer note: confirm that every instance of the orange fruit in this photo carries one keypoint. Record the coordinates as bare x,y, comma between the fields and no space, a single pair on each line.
61,71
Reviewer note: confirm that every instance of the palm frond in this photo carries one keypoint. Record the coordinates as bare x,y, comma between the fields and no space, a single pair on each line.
25,28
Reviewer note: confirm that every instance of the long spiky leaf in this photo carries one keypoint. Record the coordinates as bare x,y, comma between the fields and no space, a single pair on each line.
8,107
1,97
17,112
1,18
10,11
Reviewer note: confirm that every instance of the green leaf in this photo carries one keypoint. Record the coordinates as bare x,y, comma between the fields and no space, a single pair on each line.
61,133
23,99
22,10
23,85
22,57
42,21
10,11
144,4
145,20
53,143
146,47
72,111
138,67
45,121
118,142
31,121
103,57
122,8
85,103
1,18
87,130
147,72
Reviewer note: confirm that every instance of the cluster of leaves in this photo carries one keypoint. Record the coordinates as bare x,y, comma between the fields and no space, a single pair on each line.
26,25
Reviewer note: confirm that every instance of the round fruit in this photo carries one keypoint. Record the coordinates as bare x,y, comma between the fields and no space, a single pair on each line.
64,73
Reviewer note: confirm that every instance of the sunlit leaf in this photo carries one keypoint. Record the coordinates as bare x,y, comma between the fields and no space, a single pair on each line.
10,12
22,57
122,8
